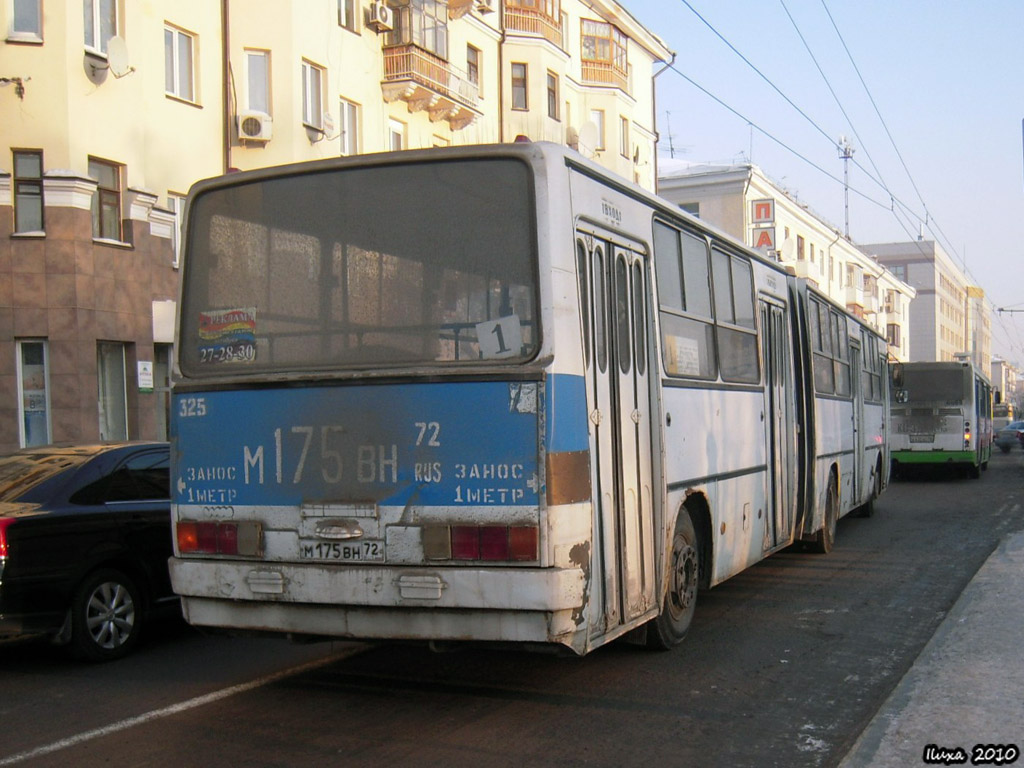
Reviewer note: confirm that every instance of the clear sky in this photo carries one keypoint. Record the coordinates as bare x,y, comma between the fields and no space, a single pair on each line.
944,78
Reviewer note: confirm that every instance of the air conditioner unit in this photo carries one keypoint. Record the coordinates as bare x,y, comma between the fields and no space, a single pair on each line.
255,126
485,6
378,17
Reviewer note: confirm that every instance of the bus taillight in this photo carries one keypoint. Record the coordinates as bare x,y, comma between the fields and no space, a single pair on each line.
967,435
490,543
212,537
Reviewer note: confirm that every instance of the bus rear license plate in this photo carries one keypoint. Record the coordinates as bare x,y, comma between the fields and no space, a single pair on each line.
922,438
365,551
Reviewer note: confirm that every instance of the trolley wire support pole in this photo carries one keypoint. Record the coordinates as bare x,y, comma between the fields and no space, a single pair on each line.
846,151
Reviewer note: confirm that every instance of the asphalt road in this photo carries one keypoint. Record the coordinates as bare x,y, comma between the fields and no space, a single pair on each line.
784,667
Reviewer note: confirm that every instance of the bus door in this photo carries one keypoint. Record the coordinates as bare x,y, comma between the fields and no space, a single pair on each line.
780,423
618,371
860,490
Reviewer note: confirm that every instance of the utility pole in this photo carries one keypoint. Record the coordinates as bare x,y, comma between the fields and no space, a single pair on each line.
845,153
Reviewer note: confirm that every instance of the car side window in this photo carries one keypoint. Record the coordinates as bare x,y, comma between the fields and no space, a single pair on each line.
145,477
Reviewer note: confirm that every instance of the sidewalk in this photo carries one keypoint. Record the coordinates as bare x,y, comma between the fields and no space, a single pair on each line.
967,686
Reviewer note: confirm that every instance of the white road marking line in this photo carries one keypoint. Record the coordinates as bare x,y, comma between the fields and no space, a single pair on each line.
173,709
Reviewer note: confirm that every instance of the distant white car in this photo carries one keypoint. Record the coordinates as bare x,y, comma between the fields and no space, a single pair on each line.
1010,435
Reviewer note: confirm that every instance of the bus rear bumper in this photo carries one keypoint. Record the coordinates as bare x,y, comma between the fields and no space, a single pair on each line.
367,602
934,457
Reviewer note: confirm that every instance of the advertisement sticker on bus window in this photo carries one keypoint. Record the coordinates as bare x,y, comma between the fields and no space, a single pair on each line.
500,338
682,356
227,336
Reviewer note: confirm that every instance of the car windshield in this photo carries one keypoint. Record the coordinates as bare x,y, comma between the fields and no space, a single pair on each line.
21,472
1014,425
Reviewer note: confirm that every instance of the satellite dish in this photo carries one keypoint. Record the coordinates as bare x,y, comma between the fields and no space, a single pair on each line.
788,249
117,57
328,122
588,138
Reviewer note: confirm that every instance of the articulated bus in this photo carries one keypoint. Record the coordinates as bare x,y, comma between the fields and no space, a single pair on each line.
941,415
496,394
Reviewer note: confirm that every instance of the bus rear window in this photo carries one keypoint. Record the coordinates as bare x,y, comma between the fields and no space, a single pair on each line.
362,267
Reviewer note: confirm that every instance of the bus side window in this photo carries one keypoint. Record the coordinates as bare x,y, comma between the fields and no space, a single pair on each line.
585,309
841,349
684,299
734,318
600,311
821,341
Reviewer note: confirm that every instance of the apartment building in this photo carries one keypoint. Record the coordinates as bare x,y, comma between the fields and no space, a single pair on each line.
112,109
949,318
745,203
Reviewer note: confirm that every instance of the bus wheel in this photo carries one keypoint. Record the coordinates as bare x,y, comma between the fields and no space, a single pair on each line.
826,537
672,624
974,471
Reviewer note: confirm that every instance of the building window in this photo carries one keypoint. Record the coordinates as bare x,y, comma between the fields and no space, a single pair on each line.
624,136
258,81
473,67
106,200
349,128
348,14
312,95
100,24
176,203
178,57
800,248
892,335
33,393
900,271
553,95
110,378
27,20
424,23
396,135
28,190
691,208
597,118
519,93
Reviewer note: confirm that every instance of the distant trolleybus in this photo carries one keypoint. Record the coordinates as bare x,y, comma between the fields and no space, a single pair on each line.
1002,414
941,414
496,394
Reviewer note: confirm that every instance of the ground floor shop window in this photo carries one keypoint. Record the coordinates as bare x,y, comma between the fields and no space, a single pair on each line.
162,388
33,394
113,406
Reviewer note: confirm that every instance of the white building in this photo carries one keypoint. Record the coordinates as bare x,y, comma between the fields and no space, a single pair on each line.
948,319
745,203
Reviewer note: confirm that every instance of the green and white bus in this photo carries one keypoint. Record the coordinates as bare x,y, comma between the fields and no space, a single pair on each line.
941,414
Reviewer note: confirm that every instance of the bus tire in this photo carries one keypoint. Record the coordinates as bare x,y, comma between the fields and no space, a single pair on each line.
825,539
673,622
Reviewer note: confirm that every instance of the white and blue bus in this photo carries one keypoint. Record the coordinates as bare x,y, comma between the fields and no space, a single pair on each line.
941,416
496,394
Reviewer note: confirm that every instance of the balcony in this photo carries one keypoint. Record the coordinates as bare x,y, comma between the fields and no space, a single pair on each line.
603,73
854,296
534,23
429,83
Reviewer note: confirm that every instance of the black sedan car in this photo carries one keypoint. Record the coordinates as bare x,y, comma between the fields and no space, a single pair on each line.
85,535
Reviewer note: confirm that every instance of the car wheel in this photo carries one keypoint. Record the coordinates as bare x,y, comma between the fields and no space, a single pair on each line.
106,616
